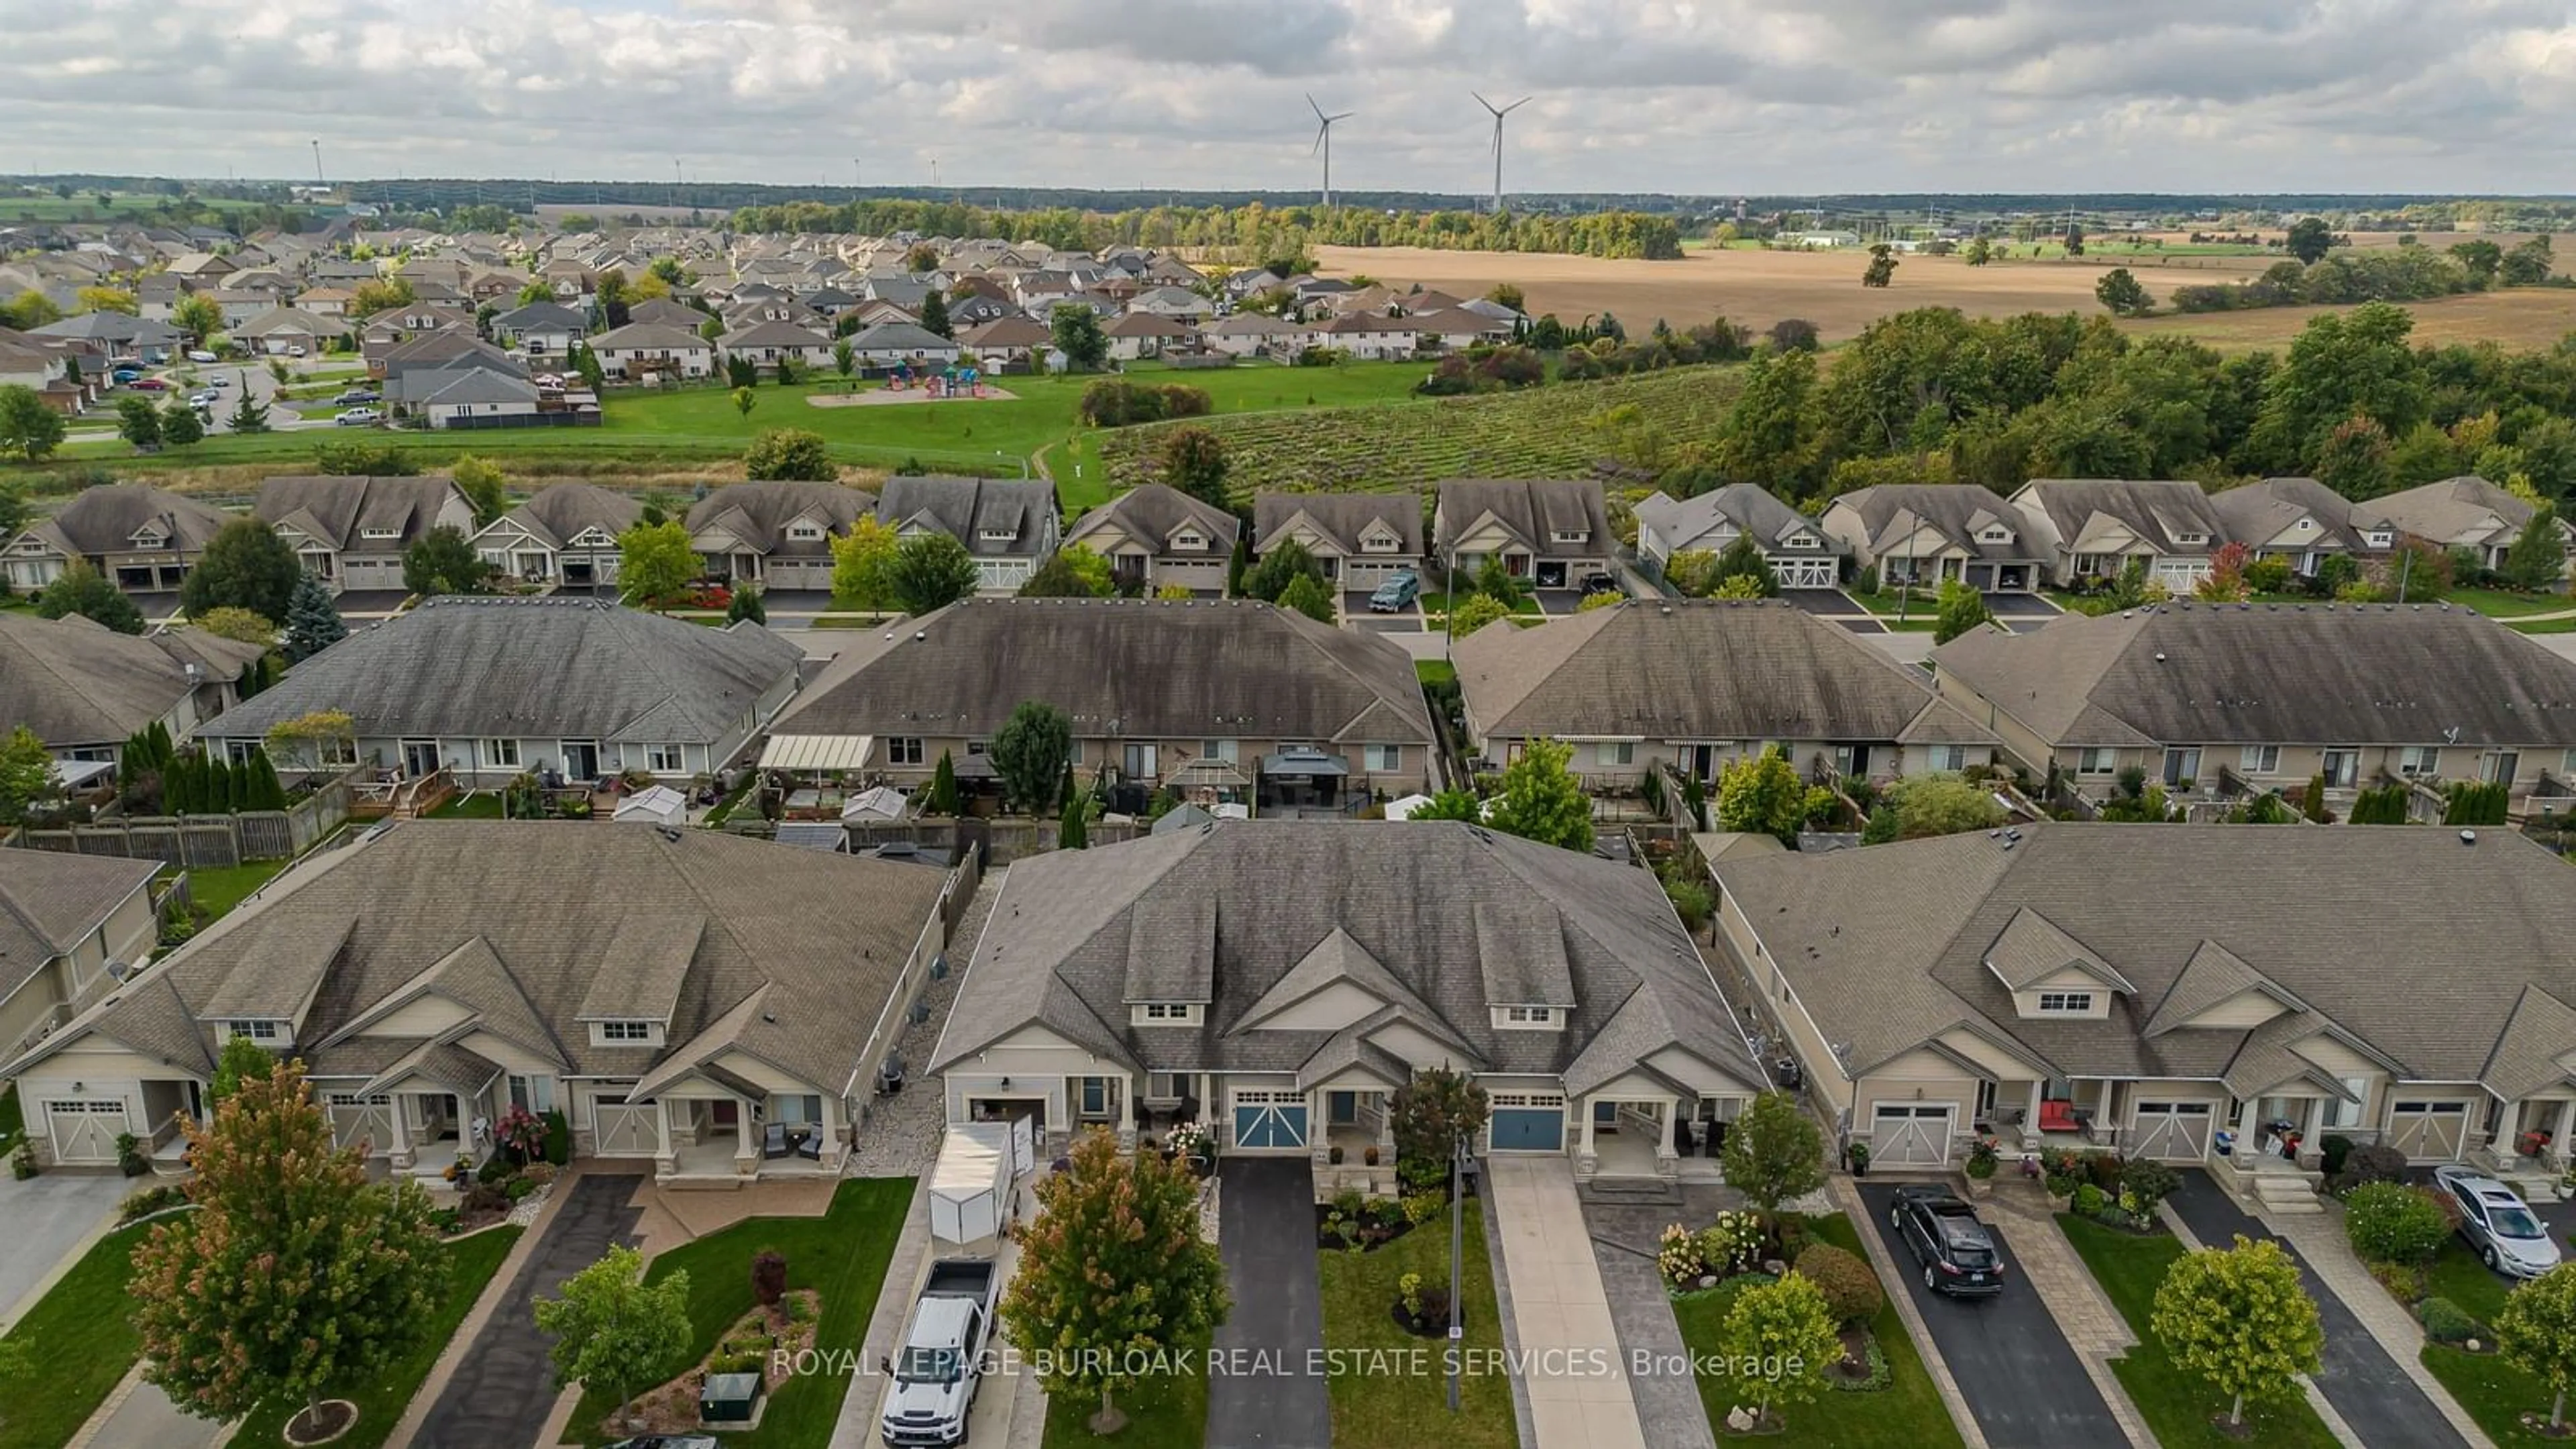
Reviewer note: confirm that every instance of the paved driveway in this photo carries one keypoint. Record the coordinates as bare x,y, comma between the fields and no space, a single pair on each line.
1558,601
2013,1364
503,1387
47,1217
1625,1239
2357,1376
1266,1235
369,601
1823,601
2022,606
1863,624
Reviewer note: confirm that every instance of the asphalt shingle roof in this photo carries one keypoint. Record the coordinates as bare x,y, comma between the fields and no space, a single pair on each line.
75,682
50,901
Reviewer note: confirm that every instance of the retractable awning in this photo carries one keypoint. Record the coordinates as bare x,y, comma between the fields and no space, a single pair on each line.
817,752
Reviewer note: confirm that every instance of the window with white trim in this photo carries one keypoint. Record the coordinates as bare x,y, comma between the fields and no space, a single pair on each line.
1163,1086
1606,753
259,1031
1945,758
1570,535
617,1033
2416,760
1164,1013
1376,758
1529,1018
1230,750
804,531
2259,760
2340,1113
2097,762
1189,541
665,759
903,751
2065,1003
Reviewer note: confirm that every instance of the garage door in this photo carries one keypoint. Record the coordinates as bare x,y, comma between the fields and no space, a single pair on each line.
624,1129
1804,573
1269,1121
85,1131
800,574
1528,1122
369,1120
2171,1131
2429,1130
1911,1134
1358,575
1198,575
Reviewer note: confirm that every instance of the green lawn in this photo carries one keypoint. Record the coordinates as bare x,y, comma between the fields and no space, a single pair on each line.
2500,604
1907,1414
471,1262
1436,602
476,805
2494,1392
81,1344
216,889
1384,1403
842,1254
1920,603
2177,1406
1435,671
2542,626
1166,1413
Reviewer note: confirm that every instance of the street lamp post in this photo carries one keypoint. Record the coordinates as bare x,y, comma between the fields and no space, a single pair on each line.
1457,1253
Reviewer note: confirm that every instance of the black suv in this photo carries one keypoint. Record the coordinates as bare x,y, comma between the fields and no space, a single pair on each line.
1957,1253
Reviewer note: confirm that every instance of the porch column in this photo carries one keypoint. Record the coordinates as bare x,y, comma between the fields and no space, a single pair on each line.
400,1154
1667,1160
746,1157
2248,1136
1386,1128
664,1163
2030,1121
2312,1134
1586,1161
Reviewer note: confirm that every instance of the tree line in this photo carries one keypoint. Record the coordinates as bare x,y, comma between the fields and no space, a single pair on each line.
1250,231
2401,274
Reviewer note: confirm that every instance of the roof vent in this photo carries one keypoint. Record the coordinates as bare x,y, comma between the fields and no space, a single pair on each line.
2468,837
2160,656
919,634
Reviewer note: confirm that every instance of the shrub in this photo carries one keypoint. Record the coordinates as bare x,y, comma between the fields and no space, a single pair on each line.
2373,1162
2447,1322
539,1173
2390,1222
1851,1289
2404,1281
486,1197
558,1139
1794,1234
1677,1256
1422,1207
768,1277
151,1200
446,1220
2331,1152
518,1188
2146,1183
1731,1243
2104,1168
2089,1200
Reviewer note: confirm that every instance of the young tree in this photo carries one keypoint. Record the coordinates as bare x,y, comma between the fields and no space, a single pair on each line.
1762,793
746,607
1471,612
247,416
1742,559
655,563
2239,1318
2123,294
2538,559
1074,330
744,400
1031,753
197,315
1542,800
1279,568
1309,595
26,773
1962,609
480,480
307,740
1881,270
80,589
2225,583
1073,823
241,1060
2536,1333
325,1277
180,425
941,798
1062,578
1774,1152
239,625
930,571
862,565
138,422
789,453
845,358
1113,1272
245,565
934,315
441,561
1192,459
1429,1116
615,1331
1929,805
1786,1331
312,623
28,428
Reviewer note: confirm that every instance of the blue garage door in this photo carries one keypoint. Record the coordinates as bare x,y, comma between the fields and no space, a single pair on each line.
1269,1119
1528,1122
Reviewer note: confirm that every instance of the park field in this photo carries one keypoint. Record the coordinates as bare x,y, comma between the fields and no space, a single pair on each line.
1756,288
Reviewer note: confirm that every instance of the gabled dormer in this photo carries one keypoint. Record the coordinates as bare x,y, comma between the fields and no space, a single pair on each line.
1336,983
806,528
1379,536
592,537
268,1001
1520,954
2218,991
2051,974
1186,537
1986,527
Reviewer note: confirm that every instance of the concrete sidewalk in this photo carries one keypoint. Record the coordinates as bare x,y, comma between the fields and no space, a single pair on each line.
1560,1311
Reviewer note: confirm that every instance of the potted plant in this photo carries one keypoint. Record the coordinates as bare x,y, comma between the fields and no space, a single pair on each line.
130,1159
1858,1153
1981,1168
1190,1142
1369,1155
1336,1155
22,1163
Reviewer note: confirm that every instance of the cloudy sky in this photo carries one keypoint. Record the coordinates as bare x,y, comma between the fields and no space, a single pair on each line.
1690,96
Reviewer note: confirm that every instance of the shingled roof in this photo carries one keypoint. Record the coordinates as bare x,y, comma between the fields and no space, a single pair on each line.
756,514
2373,674
970,509
1396,909
50,901
103,520
1150,513
561,512
336,510
1696,670
1160,669
460,666
75,682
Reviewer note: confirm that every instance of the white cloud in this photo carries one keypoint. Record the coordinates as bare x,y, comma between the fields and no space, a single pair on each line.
1707,96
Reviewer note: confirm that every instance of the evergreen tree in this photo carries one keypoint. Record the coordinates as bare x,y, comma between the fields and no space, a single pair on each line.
942,799
1742,559
265,793
934,315
312,624
2538,559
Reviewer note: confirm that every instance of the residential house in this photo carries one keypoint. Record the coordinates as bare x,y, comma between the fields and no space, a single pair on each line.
465,397
1156,536
438,351
890,344
1360,539
38,363
2465,513
201,268
2097,528
1235,700
1009,526
1457,329
1142,335
1551,531
975,309
2251,697
71,927
486,688
1371,335
540,329
776,534
768,343
2298,519
283,330
1282,981
351,532
123,336
1010,339
1253,334
673,992
84,689
1180,304
665,312
642,350
2119,987
565,534
1800,553
1698,684
326,301
1926,533
136,537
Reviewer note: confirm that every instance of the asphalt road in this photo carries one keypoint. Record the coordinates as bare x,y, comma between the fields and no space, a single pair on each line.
2013,1365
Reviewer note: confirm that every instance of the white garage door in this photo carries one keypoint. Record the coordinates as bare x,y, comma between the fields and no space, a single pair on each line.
2429,1130
1912,1134
369,1120
85,1131
622,1129
800,574
1191,574
1358,575
1804,573
2170,1131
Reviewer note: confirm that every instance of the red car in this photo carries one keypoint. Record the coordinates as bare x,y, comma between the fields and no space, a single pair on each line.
148,384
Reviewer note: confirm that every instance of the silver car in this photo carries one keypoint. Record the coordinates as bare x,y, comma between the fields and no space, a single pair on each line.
2509,1238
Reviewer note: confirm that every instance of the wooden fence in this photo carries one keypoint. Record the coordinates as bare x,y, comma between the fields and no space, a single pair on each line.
206,840
1006,840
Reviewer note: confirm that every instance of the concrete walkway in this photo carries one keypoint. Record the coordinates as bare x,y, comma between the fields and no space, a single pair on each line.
138,1415
1625,1240
1273,1392
1575,1370
2051,1272
503,1386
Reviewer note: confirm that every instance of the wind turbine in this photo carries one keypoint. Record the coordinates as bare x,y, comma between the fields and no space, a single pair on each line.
1324,143
1499,113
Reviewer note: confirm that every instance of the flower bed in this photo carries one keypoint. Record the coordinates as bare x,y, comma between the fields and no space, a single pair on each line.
764,1341
1354,1222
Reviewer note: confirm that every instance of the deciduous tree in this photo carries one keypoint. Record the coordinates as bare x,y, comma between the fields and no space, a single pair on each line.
934,315
1785,1332
1074,572
1763,794
1471,612
1031,753
791,453
239,625
1541,798
1310,596
1881,270
180,425
2538,559
655,563
2536,1333
1430,1116
863,563
2121,292
1774,1152
1193,460
1113,1273
1962,609
28,428
615,1331
480,480
1742,559
441,561
26,773
1074,330
2309,240
80,589
2239,1319
138,422
245,565
930,571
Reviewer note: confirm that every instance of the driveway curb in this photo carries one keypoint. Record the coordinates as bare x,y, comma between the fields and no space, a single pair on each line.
435,1383
1847,1198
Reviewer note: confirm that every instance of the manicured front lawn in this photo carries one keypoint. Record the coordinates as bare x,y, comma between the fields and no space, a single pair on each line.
1380,1401
216,889
2494,1392
1920,603
1165,1413
2542,626
2177,1406
842,1255
2504,604
81,1345
1907,1414
471,1262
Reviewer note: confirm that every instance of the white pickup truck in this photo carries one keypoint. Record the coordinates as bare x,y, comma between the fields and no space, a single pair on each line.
936,1370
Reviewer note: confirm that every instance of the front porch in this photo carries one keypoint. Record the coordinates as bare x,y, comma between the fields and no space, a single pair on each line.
708,1136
